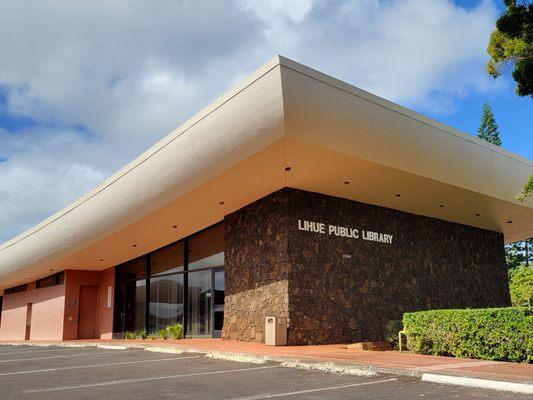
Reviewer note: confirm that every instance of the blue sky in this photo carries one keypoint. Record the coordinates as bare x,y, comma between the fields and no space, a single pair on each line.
513,114
86,87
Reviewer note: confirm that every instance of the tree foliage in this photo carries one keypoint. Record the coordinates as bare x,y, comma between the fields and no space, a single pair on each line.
519,253
527,190
488,130
511,44
521,286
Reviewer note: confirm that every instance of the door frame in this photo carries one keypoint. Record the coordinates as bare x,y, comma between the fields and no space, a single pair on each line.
95,311
29,309
216,333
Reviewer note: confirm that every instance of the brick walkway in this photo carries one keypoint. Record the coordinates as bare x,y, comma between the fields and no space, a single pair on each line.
388,361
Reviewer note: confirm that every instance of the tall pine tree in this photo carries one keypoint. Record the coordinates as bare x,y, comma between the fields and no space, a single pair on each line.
488,130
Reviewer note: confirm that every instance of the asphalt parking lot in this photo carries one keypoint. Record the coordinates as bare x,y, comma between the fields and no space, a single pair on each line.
91,373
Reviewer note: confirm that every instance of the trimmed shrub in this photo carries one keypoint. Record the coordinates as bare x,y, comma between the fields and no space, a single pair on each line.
504,334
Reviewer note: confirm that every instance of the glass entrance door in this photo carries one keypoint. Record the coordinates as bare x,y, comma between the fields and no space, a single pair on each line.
131,303
205,304
199,303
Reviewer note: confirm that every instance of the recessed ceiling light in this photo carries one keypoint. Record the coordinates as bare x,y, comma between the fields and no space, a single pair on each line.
133,245
398,195
220,203
347,181
174,226
288,168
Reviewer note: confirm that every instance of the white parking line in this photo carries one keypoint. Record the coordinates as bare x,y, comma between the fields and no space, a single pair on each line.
37,371
306,391
69,355
37,351
155,378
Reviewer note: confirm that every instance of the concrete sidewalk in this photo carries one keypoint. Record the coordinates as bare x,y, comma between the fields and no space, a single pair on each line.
394,362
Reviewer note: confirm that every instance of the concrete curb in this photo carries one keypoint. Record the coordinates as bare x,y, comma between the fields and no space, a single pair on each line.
110,347
479,383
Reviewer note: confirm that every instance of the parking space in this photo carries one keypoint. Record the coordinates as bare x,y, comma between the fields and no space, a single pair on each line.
90,373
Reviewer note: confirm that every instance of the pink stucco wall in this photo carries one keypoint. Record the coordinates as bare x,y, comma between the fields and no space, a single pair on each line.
74,279
102,280
106,289
55,309
47,313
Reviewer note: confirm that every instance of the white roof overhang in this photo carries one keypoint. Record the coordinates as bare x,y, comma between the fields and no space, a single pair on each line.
235,152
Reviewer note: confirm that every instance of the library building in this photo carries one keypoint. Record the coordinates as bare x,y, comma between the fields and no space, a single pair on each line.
294,197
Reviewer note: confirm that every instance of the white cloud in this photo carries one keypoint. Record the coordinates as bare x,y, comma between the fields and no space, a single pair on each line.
401,50
103,81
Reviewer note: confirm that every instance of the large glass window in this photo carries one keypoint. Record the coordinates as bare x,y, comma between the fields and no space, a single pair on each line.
179,283
166,301
168,260
134,269
207,248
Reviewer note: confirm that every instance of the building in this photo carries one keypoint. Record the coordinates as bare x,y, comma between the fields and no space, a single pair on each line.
293,195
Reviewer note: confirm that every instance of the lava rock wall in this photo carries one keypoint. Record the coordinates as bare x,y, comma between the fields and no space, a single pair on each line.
289,255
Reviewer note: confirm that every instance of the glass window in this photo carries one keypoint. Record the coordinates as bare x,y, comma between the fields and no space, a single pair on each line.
134,269
16,289
204,293
207,248
166,301
168,259
52,280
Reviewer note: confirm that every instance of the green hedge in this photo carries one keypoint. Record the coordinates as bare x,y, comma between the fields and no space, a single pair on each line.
504,334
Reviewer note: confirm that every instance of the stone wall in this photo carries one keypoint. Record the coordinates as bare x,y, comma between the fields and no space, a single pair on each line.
340,289
346,289
256,268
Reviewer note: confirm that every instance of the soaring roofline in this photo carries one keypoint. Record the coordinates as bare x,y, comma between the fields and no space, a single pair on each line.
268,120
